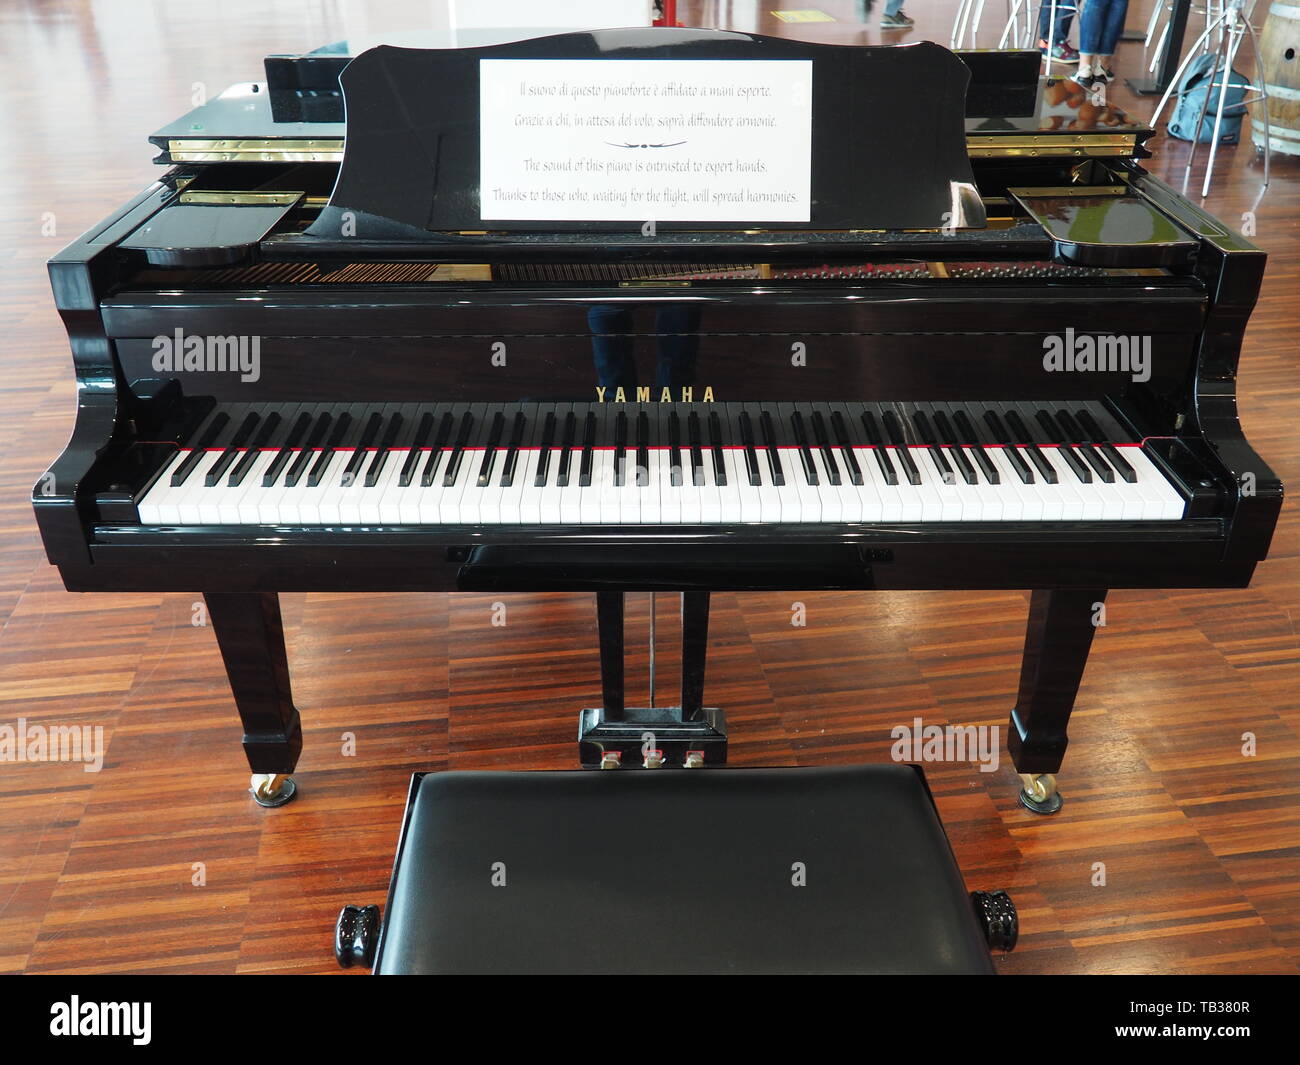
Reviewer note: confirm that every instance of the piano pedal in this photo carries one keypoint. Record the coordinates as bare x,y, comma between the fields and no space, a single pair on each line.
652,738
1039,793
272,789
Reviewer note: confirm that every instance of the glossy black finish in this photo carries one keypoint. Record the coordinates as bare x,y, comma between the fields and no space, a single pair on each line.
1057,640
410,171
356,936
193,234
873,321
694,872
1084,230
251,637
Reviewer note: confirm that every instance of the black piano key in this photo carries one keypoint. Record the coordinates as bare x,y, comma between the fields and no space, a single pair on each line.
588,443
675,448
1105,447
885,463
1093,459
269,425
964,467
846,448
986,464
1072,431
824,445
895,430
490,446
544,446
1075,434
567,442
237,441
282,457
358,457
715,445
430,472
199,449
412,462
872,430
946,476
1058,435
1075,463
751,456
1045,469
967,435
384,449
996,426
805,453
773,451
307,432
1018,464
642,449
620,449
923,429
943,427
696,453
337,435
457,454
512,450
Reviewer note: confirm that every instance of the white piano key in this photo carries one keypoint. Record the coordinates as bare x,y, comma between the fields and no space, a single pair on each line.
1162,501
651,512
194,491
828,495
243,504
749,509
158,505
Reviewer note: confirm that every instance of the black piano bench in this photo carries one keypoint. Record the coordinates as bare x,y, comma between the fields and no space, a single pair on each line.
842,870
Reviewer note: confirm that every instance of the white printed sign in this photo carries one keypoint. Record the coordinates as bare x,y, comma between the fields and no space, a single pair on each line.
645,140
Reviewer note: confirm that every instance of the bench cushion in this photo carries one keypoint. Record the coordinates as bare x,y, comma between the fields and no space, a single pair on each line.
678,871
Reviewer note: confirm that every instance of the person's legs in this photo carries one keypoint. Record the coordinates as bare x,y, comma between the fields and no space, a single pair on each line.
1090,28
1064,13
1112,27
893,7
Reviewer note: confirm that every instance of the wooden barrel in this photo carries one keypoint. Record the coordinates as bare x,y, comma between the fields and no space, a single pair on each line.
1279,60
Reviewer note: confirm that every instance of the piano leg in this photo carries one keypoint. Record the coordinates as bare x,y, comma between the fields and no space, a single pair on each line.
251,637
1057,641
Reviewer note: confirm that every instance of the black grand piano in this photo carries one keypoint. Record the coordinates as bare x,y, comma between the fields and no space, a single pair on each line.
996,353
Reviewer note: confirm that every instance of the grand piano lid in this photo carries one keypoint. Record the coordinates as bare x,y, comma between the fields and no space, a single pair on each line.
1066,121
888,145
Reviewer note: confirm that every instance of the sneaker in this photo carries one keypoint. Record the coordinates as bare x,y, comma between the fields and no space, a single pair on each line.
1061,53
1087,81
1106,74
896,21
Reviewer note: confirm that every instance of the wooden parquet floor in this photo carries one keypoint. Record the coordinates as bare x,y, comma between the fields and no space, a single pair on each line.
102,871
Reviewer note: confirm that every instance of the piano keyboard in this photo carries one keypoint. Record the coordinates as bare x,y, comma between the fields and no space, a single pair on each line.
658,464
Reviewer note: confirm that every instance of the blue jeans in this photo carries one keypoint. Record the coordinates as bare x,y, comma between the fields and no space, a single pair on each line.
893,7
1100,26
1065,10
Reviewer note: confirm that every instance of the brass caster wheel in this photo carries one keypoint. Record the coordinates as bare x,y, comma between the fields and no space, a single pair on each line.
272,789
1039,793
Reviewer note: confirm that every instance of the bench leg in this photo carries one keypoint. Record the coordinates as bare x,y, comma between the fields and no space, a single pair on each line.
1057,641
251,637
